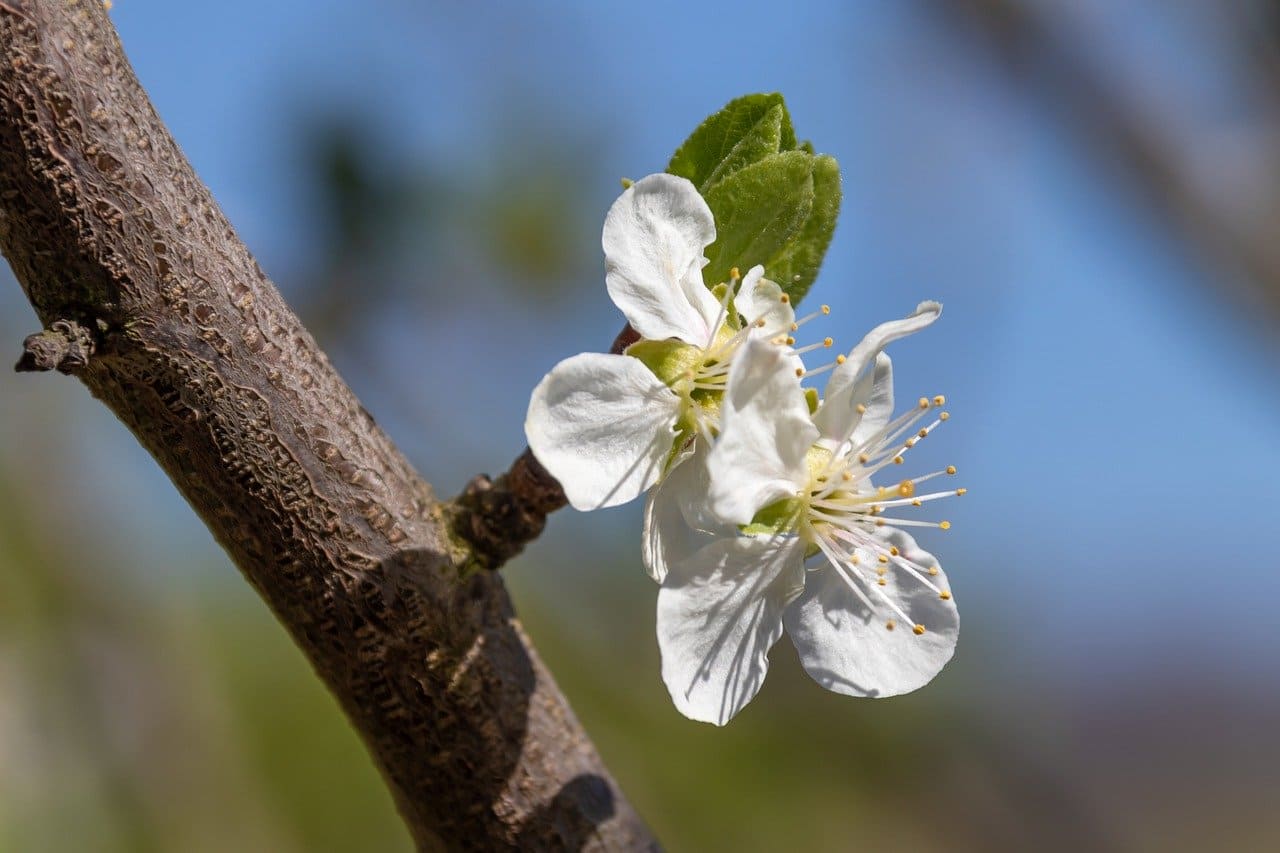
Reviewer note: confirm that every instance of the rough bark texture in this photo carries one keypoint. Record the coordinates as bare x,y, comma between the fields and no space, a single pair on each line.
148,297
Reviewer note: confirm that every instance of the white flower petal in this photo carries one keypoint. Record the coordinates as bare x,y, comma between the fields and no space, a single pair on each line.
603,426
847,647
761,299
676,523
765,433
878,400
837,415
654,236
843,421
719,613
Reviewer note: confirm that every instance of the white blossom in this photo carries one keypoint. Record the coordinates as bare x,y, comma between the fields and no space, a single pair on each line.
608,427
795,535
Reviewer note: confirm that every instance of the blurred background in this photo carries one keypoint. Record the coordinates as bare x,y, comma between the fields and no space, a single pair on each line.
1093,190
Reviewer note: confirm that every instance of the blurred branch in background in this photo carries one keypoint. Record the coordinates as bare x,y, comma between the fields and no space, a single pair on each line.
1210,169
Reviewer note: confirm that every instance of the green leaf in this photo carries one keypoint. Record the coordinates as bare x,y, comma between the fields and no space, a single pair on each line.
760,142
774,200
758,210
744,131
795,268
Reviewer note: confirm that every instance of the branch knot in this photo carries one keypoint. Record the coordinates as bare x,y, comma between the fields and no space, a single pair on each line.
65,346
499,517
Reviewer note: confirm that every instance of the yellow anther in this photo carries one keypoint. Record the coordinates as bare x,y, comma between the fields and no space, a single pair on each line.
960,492
917,630
882,581
841,359
910,442
897,460
733,273
862,410
864,458
924,402
876,510
922,433
881,570
627,183
826,309
893,549
760,323
945,525
942,416
906,488
880,522
846,475
795,326
784,299
790,341
944,595
951,469
933,570
826,342
884,558
799,371
890,625
939,400
917,502
854,560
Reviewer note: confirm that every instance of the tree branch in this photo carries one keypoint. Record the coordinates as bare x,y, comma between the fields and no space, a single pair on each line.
499,517
155,304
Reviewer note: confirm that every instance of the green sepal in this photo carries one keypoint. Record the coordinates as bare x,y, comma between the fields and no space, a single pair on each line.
758,210
811,399
669,360
731,319
744,131
778,517
685,431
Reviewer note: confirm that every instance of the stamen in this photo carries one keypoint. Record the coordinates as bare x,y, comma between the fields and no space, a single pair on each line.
807,317
831,365
824,343
911,522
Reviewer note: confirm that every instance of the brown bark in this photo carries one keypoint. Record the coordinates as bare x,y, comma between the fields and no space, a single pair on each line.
151,300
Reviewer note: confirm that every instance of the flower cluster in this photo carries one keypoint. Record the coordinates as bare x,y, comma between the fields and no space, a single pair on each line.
761,514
